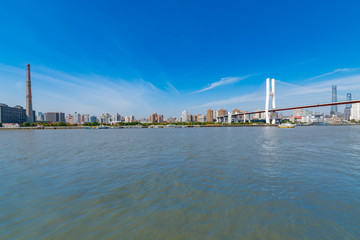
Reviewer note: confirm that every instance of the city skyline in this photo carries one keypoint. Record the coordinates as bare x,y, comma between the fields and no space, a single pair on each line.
334,96
209,59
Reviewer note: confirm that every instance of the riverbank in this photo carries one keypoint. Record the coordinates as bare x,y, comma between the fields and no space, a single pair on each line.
164,126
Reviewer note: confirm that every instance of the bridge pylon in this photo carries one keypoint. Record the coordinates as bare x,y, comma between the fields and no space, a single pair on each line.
269,93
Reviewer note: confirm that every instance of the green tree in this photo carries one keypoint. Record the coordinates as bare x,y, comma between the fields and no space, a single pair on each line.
62,124
26,124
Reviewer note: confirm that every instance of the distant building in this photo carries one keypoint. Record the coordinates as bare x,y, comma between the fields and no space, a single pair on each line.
153,118
131,118
192,118
347,110
222,112
85,118
259,116
69,119
117,117
93,119
54,117
184,116
171,119
201,118
355,112
76,118
40,117
160,118
144,120
210,115
15,114
105,118
236,111
334,108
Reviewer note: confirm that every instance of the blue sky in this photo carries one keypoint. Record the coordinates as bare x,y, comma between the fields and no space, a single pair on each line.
140,57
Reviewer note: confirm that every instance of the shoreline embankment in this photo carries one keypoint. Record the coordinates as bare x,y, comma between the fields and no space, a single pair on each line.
164,126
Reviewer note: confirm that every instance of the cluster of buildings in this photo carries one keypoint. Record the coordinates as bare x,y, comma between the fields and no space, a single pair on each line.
79,119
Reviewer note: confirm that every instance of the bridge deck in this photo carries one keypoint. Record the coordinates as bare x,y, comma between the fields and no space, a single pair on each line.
299,107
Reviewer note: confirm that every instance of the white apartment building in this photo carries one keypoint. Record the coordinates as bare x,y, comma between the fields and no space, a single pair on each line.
184,116
355,112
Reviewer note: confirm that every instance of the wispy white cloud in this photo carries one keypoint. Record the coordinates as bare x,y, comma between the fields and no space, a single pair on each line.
340,70
350,83
172,89
222,82
230,101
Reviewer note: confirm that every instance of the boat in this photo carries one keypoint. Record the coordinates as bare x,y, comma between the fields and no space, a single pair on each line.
286,125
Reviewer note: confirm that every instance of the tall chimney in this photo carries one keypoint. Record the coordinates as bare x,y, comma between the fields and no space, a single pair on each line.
29,111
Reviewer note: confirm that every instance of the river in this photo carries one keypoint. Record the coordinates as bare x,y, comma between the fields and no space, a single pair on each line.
190,183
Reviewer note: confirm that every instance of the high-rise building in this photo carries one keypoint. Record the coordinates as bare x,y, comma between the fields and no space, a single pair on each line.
347,110
210,115
76,118
93,119
69,119
40,117
29,112
355,112
222,112
153,118
131,118
191,118
348,98
53,117
86,118
105,118
160,119
184,116
117,117
334,109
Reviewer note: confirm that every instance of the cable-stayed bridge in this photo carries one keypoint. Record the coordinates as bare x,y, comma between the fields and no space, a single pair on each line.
271,94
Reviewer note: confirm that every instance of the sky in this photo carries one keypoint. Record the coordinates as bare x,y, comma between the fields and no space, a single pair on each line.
141,57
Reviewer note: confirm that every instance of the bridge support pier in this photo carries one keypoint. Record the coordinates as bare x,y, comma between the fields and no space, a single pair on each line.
268,94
